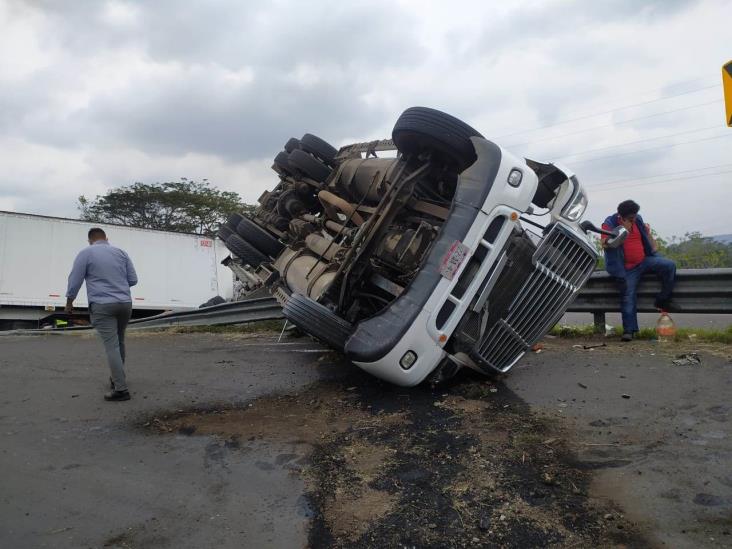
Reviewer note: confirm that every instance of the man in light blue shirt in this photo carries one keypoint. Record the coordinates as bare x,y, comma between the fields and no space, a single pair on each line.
109,273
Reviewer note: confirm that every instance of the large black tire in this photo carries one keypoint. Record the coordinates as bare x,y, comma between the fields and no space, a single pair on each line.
309,166
282,161
420,129
224,232
233,221
318,147
317,320
292,144
245,251
259,238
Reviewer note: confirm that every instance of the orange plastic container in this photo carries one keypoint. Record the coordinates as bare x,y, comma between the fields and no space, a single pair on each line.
665,327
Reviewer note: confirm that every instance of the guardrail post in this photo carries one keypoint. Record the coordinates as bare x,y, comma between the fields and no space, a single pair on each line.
599,317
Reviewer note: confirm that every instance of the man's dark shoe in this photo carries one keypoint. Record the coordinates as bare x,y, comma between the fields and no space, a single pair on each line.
114,396
668,306
627,336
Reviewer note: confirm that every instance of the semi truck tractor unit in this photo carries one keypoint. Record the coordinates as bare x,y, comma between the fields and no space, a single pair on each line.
412,255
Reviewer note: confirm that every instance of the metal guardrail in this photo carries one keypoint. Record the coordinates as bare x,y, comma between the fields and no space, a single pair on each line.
706,291
239,312
697,291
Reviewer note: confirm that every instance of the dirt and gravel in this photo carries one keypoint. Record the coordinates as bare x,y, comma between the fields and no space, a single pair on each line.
463,465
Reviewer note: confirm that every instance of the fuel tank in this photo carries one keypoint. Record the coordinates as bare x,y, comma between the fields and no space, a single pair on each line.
368,177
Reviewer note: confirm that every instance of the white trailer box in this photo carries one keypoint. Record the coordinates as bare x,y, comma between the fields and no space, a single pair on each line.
176,271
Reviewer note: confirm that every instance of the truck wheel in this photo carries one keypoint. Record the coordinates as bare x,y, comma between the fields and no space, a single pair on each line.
233,221
420,129
318,147
290,205
292,144
259,238
317,320
224,232
245,251
282,161
308,165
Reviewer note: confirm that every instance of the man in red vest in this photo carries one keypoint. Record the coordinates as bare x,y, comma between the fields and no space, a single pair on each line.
638,255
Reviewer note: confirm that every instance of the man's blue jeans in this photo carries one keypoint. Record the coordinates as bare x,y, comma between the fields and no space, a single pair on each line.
664,268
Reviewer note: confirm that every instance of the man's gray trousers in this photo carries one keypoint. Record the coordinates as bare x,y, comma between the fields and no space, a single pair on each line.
110,320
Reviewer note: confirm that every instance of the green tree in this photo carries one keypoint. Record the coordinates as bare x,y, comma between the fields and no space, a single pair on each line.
181,206
695,251
692,251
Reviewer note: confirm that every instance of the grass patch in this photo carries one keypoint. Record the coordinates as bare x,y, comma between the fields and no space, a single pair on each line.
682,334
572,331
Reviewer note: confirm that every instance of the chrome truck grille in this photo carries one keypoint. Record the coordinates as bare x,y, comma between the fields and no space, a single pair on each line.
562,264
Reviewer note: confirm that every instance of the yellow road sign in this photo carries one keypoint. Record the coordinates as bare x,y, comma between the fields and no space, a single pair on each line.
727,85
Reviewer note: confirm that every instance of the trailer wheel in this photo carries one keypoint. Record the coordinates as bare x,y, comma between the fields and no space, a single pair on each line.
318,147
233,221
308,165
420,129
292,144
259,238
245,251
317,320
224,232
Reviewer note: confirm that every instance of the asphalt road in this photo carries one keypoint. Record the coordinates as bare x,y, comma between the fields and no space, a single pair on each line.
76,472
79,472
657,435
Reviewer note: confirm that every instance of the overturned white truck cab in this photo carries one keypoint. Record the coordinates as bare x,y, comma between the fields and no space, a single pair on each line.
418,264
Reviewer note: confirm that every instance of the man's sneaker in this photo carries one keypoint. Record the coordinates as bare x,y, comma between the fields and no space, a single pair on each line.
668,306
627,336
115,396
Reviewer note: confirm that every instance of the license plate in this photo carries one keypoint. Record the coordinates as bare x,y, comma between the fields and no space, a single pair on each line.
452,259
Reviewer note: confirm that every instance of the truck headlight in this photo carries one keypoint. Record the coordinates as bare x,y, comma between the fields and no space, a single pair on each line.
577,205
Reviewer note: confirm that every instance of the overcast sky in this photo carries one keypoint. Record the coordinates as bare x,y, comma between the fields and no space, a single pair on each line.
95,94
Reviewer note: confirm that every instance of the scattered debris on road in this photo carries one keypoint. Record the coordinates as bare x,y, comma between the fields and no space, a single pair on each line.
687,359
590,347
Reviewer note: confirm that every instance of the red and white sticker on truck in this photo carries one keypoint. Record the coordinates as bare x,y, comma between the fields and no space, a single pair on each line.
452,259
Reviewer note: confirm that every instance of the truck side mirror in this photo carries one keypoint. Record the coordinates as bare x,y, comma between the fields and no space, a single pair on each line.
588,226
619,236
616,237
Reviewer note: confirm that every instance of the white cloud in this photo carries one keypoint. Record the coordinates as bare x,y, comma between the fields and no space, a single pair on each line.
21,42
120,13
102,94
45,180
